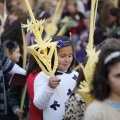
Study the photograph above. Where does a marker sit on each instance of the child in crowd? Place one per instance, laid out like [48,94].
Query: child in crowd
[6,66]
[105,88]
[75,105]
[33,70]
[12,50]
[51,92]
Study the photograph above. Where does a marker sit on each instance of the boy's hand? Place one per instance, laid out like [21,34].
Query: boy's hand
[54,82]
[19,113]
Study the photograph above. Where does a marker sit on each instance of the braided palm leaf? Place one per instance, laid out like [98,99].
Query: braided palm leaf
[92,55]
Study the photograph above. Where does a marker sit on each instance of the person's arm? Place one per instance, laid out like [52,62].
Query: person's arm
[42,91]
[14,97]
[17,69]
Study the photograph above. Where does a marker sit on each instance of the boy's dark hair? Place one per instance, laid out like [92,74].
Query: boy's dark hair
[16,10]
[64,38]
[116,12]
[100,87]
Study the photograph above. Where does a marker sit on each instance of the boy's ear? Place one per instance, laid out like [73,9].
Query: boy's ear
[8,54]
[14,14]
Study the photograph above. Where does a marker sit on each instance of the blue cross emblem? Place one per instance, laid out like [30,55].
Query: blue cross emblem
[69,91]
[54,105]
[74,77]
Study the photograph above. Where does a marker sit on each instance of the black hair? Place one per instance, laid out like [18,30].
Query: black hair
[10,45]
[100,87]
[68,43]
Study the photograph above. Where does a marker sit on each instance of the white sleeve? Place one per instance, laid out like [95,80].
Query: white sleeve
[42,92]
[17,69]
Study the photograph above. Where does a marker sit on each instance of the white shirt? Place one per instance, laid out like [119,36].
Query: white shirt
[52,101]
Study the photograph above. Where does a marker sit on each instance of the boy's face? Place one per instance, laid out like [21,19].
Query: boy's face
[12,17]
[65,58]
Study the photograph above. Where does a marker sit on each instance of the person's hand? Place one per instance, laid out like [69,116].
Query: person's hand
[53,82]
[19,113]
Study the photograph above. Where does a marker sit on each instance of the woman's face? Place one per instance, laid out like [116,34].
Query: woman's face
[15,56]
[114,80]
[72,8]
[12,17]
[65,58]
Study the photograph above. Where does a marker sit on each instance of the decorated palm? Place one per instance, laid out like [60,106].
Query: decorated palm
[92,55]
[51,29]
[44,50]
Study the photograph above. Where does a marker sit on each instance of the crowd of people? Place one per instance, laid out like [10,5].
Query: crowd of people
[57,97]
